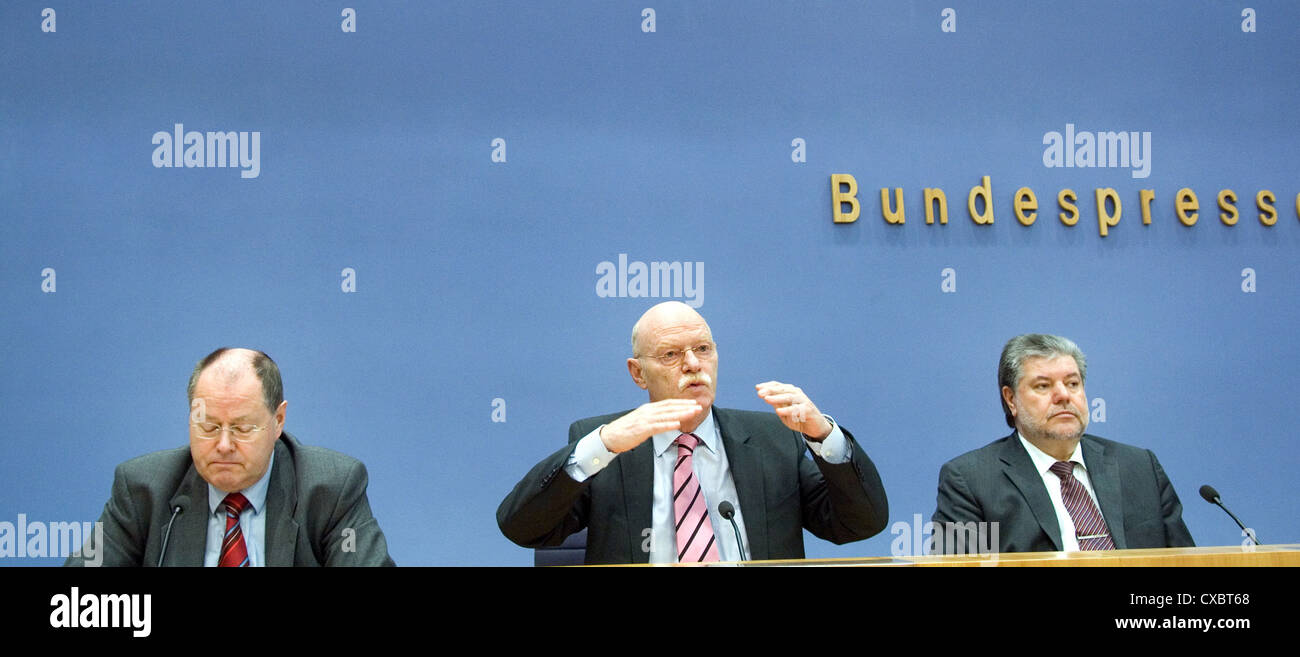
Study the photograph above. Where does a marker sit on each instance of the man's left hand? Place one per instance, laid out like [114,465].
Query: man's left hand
[795,409]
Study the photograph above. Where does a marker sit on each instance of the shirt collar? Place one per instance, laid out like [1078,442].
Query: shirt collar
[255,494]
[1043,461]
[707,432]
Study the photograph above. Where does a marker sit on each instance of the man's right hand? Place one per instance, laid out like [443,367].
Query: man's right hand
[647,420]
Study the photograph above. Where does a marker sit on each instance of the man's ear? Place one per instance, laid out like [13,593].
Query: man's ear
[279,417]
[1009,396]
[634,368]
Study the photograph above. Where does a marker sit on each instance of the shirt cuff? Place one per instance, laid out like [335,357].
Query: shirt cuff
[588,457]
[833,449]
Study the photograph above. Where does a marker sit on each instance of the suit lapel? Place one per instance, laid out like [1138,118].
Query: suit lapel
[189,537]
[747,474]
[637,471]
[1019,468]
[281,501]
[1104,475]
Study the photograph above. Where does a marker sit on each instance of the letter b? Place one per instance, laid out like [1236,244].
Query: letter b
[838,198]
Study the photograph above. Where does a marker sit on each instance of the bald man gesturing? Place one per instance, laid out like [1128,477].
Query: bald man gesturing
[648,483]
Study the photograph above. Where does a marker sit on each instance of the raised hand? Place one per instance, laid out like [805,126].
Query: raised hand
[647,420]
[795,409]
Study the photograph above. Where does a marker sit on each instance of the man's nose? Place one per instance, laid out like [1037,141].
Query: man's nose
[225,439]
[1060,393]
[690,362]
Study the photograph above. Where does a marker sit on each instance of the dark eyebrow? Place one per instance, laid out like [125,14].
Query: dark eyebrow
[1044,377]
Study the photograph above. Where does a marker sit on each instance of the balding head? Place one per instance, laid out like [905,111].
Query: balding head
[665,315]
[229,364]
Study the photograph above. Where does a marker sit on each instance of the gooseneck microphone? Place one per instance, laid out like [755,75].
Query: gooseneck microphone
[176,511]
[728,511]
[1212,496]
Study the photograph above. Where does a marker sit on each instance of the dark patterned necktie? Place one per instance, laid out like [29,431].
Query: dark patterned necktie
[234,554]
[1089,527]
[694,531]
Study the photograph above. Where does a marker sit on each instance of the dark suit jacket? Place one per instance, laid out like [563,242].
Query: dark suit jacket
[314,496]
[998,483]
[780,491]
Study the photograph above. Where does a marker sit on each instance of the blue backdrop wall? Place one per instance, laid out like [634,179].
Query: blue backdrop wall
[424,207]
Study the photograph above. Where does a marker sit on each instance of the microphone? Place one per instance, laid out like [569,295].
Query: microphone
[1212,496]
[176,511]
[728,511]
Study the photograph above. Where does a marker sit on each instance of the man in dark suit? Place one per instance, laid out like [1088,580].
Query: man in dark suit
[653,484]
[244,493]
[1049,486]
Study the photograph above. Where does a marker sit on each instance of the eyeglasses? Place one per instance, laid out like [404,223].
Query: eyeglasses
[244,433]
[703,351]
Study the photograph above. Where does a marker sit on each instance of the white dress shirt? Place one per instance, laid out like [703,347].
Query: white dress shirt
[711,468]
[1043,462]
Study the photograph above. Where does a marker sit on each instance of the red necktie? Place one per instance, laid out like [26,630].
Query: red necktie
[234,554]
[1089,527]
[694,531]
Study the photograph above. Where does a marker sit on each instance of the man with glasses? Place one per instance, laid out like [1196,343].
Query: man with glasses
[245,492]
[663,483]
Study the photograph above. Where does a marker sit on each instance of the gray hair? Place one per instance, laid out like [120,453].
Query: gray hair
[1030,345]
[266,370]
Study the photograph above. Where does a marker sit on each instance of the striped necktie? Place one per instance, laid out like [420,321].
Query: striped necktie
[233,551]
[1089,527]
[694,530]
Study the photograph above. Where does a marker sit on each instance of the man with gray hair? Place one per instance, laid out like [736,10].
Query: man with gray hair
[245,492]
[1049,486]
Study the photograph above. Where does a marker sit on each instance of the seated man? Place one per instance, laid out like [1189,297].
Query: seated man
[1049,486]
[649,483]
[245,492]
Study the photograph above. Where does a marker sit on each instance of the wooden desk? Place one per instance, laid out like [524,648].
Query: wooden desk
[1231,555]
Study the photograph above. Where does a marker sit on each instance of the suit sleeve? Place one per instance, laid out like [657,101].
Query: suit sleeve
[844,502]
[956,504]
[353,536]
[1171,509]
[547,505]
[123,535]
